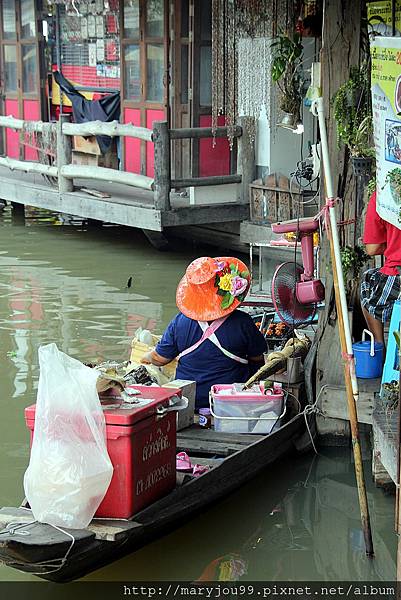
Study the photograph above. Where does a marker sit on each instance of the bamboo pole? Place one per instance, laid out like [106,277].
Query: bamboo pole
[28,166]
[112,129]
[104,174]
[351,383]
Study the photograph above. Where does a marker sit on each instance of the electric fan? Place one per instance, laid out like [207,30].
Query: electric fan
[296,293]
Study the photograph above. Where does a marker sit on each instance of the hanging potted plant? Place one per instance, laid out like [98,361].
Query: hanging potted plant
[353,115]
[287,58]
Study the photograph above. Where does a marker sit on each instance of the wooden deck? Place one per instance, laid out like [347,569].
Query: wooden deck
[132,207]
[334,400]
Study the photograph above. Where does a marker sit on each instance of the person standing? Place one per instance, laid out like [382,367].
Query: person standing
[380,288]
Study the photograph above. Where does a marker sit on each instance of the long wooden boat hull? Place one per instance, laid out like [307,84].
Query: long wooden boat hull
[43,549]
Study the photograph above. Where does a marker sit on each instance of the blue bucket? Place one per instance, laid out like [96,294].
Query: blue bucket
[368,357]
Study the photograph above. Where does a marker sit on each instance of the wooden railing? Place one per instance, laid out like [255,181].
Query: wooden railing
[161,136]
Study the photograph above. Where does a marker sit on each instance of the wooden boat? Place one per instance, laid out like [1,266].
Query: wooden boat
[234,459]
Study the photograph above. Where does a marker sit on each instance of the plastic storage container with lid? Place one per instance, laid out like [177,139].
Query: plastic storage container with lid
[249,411]
[141,442]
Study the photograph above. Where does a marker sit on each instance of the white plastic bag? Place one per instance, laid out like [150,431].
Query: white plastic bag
[69,470]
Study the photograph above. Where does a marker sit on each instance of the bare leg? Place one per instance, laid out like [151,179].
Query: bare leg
[375,326]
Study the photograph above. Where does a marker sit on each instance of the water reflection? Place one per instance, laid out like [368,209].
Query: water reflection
[67,284]
[299,521]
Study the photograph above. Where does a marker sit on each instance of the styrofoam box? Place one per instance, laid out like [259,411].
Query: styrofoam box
[185,418]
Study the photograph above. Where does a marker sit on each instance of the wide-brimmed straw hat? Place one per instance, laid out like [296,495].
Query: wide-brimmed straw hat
[212,287]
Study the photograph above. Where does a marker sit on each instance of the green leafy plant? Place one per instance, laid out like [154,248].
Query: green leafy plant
[286,73]
[352,260]
[371,187]
[353,113]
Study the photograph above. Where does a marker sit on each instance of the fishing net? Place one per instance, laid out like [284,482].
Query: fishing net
[43,142]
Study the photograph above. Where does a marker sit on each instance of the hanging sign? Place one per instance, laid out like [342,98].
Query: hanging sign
[386,104]
[380,17]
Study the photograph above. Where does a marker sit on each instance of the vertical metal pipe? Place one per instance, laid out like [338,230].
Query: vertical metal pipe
[58,51]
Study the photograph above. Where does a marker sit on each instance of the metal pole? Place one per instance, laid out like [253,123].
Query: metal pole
[351,382]
[58,52]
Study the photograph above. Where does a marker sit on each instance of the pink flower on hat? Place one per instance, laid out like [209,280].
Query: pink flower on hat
[239,285]
[220,265]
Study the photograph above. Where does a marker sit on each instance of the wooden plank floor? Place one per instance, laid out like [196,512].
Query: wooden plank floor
[197,441]
[128,206]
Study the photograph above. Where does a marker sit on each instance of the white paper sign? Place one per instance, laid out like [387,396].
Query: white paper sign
[386,104]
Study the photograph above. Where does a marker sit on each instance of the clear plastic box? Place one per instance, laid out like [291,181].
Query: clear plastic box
[250,411]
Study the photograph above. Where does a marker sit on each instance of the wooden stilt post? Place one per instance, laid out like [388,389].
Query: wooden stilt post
[162,185]
[246,158]
[351,383]
[64,155]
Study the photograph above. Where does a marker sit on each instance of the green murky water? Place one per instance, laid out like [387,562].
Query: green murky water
[62,282]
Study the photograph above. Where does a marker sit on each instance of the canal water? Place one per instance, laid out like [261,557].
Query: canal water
[63,282]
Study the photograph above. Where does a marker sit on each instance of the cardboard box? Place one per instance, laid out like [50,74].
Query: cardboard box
[185,418]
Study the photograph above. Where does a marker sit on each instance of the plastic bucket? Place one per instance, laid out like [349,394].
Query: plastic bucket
[368,357]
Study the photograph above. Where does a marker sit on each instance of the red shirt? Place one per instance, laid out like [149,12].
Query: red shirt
[379,231]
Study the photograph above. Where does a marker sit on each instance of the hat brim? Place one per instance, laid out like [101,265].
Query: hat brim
[202,303]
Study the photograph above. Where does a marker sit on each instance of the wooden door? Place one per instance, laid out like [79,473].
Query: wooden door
[180,85]
[145,76]
[207,159]
[191,90]
[21,68]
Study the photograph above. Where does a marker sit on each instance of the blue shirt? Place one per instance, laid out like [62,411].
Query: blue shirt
[207,365]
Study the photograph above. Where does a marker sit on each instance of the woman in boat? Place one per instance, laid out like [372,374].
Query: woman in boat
[214,342]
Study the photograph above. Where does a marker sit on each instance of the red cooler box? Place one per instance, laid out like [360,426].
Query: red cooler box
[142,447]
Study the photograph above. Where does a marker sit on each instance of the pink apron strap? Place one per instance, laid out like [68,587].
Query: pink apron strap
[209,334]
[210,330]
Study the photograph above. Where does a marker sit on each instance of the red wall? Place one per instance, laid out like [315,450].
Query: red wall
[213,160]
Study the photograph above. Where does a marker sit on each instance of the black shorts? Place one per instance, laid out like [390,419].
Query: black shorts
[378,293]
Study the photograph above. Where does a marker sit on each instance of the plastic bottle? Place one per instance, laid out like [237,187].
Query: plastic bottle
[205,418]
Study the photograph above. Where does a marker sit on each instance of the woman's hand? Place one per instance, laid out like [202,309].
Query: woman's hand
[147,359]
[153,358]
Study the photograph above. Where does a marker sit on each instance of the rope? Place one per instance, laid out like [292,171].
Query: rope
[311,409]
[53,565]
